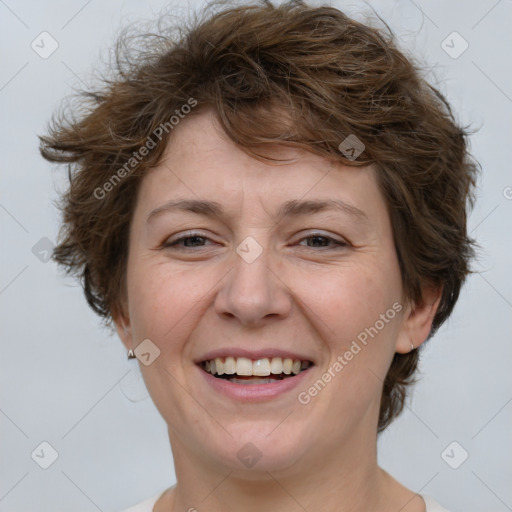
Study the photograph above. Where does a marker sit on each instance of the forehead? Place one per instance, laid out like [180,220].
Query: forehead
[202,163]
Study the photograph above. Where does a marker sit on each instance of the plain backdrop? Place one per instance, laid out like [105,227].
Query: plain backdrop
[66,382]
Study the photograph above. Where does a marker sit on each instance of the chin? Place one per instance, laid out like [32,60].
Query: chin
[252,452]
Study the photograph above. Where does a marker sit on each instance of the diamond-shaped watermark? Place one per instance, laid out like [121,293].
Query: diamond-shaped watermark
[351,147]
[42,250]
[44,45]
[147,352]
[44,455]
[249,455]
[454,455]
[454,45]
[249,250]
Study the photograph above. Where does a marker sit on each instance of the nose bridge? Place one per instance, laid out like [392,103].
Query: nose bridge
[251,291]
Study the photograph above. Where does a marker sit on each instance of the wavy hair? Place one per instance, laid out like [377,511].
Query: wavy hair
[293,74]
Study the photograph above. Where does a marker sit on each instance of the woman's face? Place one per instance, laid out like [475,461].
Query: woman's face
[315,284]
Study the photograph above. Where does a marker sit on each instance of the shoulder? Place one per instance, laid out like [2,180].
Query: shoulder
[432,505]
[147,505]
[144,506]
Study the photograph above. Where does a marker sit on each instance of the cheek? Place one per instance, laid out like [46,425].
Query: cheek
[361,312]
[164,307]
[161,302]
[355,298]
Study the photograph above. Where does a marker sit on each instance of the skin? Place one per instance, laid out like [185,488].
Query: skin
[302,294]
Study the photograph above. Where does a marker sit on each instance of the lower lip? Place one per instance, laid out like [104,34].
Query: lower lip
[254,392]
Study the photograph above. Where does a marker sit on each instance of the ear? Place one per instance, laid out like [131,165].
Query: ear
[417,320]
[123,327]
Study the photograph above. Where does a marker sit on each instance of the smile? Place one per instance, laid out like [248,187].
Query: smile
[242,370]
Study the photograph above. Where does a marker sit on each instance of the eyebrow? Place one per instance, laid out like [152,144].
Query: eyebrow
[292,208]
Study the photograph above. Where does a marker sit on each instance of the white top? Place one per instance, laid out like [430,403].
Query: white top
[147,505]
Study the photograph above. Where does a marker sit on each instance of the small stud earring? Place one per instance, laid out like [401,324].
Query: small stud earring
[412,346]
[131,354]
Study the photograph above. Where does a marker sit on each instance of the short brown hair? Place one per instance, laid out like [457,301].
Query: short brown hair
[331,77]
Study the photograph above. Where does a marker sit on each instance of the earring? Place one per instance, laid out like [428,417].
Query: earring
[412,346]
[131,354]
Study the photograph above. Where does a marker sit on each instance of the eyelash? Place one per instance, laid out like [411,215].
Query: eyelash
[174,244]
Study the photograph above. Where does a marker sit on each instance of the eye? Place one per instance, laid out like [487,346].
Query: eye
[195,238]
[324,240]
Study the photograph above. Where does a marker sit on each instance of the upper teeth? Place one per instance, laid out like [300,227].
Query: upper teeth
[259,367]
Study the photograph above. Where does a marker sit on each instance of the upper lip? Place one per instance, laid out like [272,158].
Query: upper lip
[252,354]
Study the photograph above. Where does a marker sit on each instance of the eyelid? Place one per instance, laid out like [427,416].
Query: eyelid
[315,232]
[185,234]
[303,236]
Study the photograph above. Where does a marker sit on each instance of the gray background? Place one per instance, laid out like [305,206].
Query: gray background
[65,381]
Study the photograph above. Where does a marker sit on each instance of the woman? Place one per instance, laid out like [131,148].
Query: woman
[270,209]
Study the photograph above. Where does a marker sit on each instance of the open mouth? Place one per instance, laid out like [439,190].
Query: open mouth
[241,370]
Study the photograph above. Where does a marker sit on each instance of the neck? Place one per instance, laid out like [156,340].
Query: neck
[343,480]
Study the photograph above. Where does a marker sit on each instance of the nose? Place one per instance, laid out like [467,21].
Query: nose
[252,291]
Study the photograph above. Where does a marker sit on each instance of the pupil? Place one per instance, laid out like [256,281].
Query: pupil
[192,238]
[320,238]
